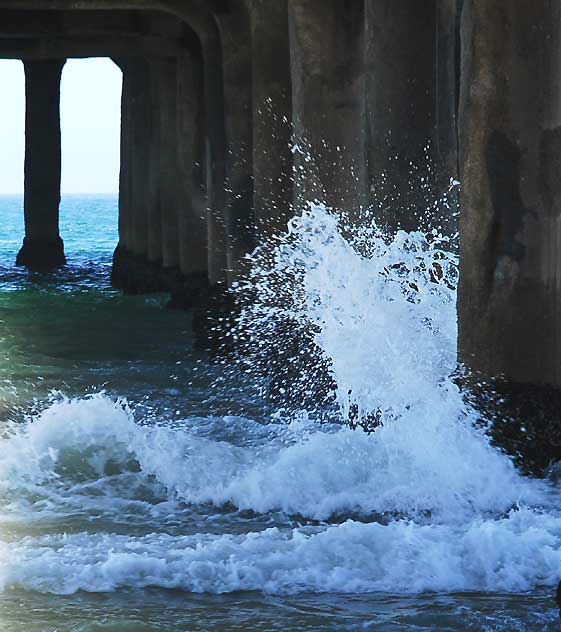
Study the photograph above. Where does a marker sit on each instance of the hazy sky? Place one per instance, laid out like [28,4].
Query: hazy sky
[90,112]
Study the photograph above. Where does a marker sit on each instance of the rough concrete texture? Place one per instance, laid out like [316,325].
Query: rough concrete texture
[510,133]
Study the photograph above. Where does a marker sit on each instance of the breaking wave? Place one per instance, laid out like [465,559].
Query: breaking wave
[424,503]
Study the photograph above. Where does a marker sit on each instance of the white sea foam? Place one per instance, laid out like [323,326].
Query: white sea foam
[515,553]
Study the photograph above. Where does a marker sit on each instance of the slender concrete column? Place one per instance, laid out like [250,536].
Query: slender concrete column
[411,100]
[236,46]
[155,167]
[328,101]
[125,172]
[272,112]
[198,16]
[140,121]
[169,187]
[193,255]
[509,299]
[42,247]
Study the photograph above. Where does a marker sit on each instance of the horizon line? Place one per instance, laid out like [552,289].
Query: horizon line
[66,193]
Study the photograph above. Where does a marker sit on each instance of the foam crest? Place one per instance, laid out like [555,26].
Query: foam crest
[516,553]
[78,439]
[79,446]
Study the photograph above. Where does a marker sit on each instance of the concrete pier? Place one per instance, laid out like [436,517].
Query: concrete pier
[235,113]
[193,252]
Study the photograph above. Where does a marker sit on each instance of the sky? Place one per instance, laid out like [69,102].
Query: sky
[90,120]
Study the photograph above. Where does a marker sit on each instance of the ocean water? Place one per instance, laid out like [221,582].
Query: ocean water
[144,486]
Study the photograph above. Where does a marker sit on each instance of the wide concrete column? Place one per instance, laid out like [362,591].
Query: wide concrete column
[509,299]
[328,101]
[272,112]
[42,246]
[411,100]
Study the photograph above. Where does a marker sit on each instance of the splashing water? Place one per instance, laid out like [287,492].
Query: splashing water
[220,504]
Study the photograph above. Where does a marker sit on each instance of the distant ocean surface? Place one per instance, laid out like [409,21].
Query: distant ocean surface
[88,227]
[145,487]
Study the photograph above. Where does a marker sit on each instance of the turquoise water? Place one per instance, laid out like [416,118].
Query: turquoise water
[145,487]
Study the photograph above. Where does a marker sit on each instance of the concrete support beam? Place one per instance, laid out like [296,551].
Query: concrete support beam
[88,46]
[169,174]
[411,101]
[139,112]
[509,299]
[199,18]
[272,112]
[155,166]
[328,101]
[42,247]
[237,65]
[62,23]
[193,254]
[126,157]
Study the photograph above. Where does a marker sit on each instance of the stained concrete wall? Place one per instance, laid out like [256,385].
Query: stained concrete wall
[235,37]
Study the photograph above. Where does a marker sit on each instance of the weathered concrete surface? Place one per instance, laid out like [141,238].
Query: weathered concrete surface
[411,103]
[42,247]
[509,297]
[199,16]
[510,132]
[60,34]
[328,102]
